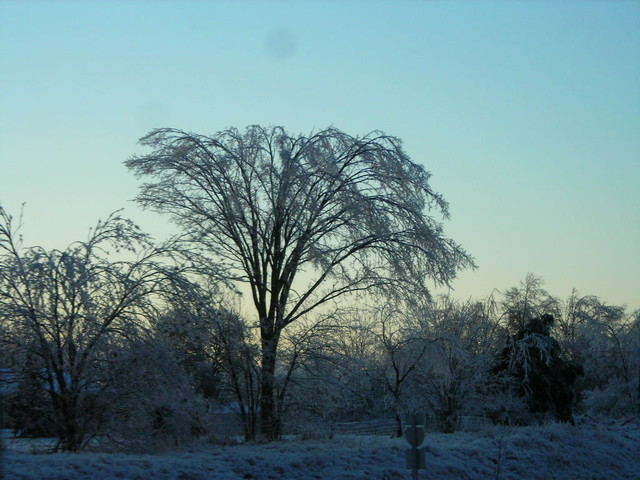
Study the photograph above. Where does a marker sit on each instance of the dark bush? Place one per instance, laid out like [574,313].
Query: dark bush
[532,362]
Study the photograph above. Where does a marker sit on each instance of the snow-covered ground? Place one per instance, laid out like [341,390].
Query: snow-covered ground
[548,452]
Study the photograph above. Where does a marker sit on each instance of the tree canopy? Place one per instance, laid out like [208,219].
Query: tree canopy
[350,212]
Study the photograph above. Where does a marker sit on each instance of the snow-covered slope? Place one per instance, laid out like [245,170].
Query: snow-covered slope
[548,452]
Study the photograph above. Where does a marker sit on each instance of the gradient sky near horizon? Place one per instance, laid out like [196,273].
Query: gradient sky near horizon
[527,114]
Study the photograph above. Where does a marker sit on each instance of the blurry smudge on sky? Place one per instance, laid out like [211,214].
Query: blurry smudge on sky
[280,44]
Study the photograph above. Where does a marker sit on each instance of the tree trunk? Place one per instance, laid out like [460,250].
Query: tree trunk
[70,434]
[399,429]
[70,437]
[269,421]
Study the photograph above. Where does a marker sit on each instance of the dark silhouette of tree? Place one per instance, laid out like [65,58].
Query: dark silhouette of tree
[351,213]
[533,362]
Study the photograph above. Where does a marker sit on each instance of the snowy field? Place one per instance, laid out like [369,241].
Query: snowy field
[548,452]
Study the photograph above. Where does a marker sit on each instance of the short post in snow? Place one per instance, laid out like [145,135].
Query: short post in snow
[414,433]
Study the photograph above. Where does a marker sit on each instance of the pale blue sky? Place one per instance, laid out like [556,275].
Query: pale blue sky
[526,113]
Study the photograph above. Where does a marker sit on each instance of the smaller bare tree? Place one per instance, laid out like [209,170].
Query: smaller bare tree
[452,376]
[63,307]
[217,347]
[403,347]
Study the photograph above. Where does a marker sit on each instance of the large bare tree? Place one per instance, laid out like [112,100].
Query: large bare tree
[302,220]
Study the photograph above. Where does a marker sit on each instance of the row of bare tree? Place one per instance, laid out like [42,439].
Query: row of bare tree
[134,350]
[333,241]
